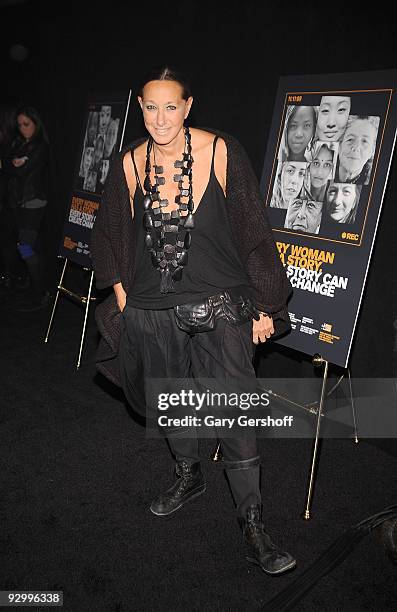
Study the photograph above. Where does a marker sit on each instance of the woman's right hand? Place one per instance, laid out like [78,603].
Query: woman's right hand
[121,296]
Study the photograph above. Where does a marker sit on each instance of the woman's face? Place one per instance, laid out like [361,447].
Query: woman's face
[26,126]
[333,114]
[88,159]
[104,118]
[357,146]
[292,176]
[111,136]
[321,167]
[300,129]
[164,110]
[92,127]
[341,198]
[98,151]
[104,170]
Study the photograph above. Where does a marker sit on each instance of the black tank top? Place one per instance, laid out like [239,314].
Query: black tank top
[213,263]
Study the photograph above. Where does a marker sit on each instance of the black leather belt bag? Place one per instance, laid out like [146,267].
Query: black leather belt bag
[202,316]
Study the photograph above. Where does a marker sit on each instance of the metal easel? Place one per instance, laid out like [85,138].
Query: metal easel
[317,409]
[82,299]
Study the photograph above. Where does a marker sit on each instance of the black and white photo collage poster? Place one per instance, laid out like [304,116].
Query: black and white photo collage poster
[324,160]
[99,146]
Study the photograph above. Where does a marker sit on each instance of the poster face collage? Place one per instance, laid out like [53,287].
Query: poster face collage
[100,140]
[324,160]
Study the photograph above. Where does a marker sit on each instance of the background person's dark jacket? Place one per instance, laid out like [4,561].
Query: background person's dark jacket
[29,181]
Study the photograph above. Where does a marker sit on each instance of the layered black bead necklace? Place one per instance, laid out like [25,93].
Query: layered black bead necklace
[169,257]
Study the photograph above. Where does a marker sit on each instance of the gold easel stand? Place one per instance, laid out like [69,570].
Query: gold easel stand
[82,299]
[318,362]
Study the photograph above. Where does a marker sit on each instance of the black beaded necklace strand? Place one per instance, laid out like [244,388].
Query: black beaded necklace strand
[169,259]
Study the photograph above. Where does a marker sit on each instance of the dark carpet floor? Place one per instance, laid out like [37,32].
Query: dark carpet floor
[78,476]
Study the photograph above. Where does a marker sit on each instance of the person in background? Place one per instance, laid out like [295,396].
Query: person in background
[26,167]
[7,135]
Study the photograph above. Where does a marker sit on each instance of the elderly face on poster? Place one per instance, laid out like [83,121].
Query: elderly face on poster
[357,149]
[304,215]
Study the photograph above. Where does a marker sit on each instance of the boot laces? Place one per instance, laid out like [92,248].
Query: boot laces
[183,470]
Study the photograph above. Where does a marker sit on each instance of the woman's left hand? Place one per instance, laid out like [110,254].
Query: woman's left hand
[262,329]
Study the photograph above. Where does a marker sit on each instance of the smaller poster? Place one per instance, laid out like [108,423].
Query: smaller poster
[102,137]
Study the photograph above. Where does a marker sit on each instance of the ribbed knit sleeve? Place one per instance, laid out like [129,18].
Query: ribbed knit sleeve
[254,236]
[106,227]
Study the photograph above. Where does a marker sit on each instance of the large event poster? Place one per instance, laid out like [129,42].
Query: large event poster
[324,178]
[102,137]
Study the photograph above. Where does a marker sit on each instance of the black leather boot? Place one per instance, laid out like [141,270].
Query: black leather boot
[263,551]
[189,484]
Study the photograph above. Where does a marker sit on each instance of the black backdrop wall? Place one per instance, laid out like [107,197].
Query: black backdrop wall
[234,53]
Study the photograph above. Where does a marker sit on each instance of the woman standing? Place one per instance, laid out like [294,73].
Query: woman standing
[182,237]
[27,168]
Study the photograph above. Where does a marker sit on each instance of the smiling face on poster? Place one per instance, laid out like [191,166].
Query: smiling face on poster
[342,201]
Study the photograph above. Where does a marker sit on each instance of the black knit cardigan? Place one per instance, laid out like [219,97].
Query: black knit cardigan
[113,246]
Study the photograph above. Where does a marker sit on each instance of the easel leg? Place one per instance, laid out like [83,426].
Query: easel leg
[315,448]
[353,407]
[87,306]
[56,301]
[217,454]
